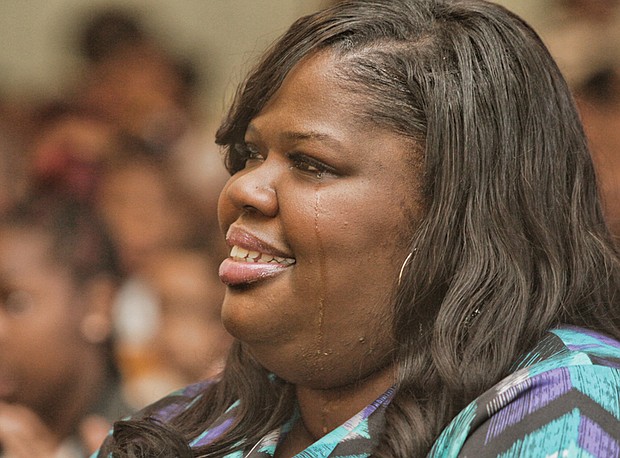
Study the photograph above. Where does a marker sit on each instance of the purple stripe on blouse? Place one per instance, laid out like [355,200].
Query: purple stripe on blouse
[544,388]
[594,440]
[212,434]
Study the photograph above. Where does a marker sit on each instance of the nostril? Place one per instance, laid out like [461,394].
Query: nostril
[249,209]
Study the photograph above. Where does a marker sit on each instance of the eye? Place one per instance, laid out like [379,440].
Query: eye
[248,154]
[310,165]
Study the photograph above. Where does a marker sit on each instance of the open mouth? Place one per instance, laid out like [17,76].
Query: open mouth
[253,258]
[245,267]
[240,254]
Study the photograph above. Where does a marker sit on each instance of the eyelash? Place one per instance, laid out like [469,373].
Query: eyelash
[310,165]
[244,152]
[299,161]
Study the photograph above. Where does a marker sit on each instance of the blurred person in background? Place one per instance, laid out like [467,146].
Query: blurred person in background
[145,211]
[148,93]
[59,387]
[13,176]
[584,37]
[599,105]
[134,81]
[66,152]
[15,126]
[143,206]
[188,342]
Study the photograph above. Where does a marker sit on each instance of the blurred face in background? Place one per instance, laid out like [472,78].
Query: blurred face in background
[40,341]
[138,207]
[190,340]
[139,88]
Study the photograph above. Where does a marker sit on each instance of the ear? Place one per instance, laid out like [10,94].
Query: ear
[98,296]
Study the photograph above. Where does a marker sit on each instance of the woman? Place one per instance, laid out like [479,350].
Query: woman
[412,210]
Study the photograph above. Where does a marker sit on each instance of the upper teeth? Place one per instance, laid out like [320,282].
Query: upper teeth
[241,254]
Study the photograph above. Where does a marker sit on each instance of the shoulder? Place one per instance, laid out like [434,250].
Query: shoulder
[165,409]
[561,400]
[175,403]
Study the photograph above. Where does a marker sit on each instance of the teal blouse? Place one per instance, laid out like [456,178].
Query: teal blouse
[562,400]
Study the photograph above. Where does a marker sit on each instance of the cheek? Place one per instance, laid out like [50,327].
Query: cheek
[335,304]
[359,238]
[350,256]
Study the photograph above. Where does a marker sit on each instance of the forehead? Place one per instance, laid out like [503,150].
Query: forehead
[317,101]
[315,87]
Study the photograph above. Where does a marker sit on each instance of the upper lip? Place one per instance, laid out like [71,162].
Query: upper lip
[245,239]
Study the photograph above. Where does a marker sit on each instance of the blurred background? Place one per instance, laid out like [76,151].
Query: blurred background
[108,110]
[41,56]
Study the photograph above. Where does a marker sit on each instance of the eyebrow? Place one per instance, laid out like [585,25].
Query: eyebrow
[311,135]
[304,135]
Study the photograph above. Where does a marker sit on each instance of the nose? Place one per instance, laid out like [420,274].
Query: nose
[253,190]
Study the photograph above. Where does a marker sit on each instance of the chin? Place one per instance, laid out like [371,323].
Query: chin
[237,319]
[251,328]
[254,323]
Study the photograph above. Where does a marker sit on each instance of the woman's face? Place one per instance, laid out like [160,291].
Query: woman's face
[332,194]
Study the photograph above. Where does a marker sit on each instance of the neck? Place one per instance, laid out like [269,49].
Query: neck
[324,410]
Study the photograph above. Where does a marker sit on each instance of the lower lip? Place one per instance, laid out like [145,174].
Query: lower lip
[234,273]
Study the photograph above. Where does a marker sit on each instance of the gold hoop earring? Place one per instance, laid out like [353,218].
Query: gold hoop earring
[402,268]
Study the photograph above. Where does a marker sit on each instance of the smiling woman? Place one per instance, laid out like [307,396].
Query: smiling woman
[418,260]
[314,189]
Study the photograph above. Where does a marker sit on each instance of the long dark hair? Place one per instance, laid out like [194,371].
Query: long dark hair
[513,242]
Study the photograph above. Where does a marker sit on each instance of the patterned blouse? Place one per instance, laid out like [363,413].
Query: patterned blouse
[562,400]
